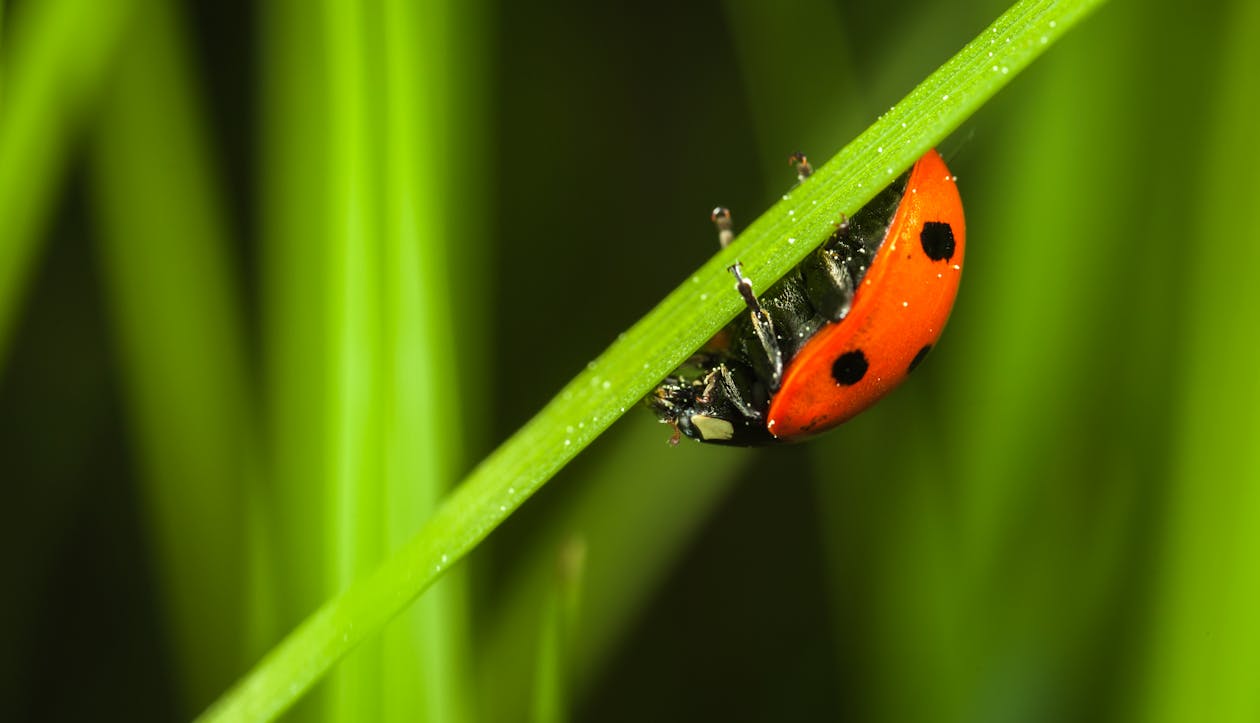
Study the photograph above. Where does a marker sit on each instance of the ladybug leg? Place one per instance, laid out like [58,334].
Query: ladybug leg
[677,435]
[829,285]
[768,363]
[803,169]
[721,217]
[720,385]
[841,236]
[830,282]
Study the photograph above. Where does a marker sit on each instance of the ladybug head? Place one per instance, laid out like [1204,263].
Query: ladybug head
[706,409]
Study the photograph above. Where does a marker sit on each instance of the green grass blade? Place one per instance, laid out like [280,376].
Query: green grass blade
[553,663]
[3,47]
[425,667]
[58,53]
[634,363]
[354,499]
[1205,641]
[316,111]
[181,338]
[643,484]
[294,126]
[294,248]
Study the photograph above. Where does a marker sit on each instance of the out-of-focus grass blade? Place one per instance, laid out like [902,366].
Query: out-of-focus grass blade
[3,47]
[294,258]
[648,502]
[362,354]
[560,610]
[56,57]
[1206,634]
[295,169]
[426,134]
[174,307]
[354,500]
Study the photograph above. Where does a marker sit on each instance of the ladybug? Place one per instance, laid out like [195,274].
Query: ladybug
[835,334]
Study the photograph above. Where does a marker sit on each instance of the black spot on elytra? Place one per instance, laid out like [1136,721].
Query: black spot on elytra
[849,368]
[937,238]
[918,358]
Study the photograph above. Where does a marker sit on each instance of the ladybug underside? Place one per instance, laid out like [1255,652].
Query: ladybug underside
[721,395]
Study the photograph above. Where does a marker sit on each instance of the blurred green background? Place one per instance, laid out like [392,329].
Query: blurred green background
[274,276]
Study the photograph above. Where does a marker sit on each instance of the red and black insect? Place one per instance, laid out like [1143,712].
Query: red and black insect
[839,331]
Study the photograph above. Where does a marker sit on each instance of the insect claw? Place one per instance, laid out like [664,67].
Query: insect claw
[803,168]
[721,217]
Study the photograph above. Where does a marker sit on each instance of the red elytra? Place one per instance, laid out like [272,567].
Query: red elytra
[899,311]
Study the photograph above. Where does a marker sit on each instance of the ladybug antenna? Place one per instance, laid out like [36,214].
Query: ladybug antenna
[803,169]
[721,217]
